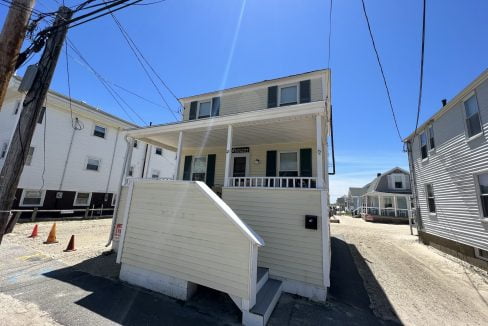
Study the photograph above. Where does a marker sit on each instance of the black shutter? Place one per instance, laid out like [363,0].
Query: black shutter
[305,162]
[215,106]
[209,180]
[305,91]
[271,163]
[193,110]
[187,168]
[272,96]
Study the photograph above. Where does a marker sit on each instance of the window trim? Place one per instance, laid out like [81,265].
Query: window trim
[278,162]
[198,110]
[465,99]
[193,163]
[82,205]
[93,158]
[297,85]
[404,181]
[427,198]
[101,126]
[22,197]
[156,151]
[3,150]
[152,174]
[478,194]
[431,136]
[478,255]
[426,145]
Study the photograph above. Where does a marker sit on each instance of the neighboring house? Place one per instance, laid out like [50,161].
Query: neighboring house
[248,212]
[341,203]
[76,157]
[354,198]
[388,197]
[449,161]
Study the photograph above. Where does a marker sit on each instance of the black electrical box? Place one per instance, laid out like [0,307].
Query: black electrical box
[311,222]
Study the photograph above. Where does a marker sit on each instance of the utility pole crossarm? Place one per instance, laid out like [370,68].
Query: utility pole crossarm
[34,100]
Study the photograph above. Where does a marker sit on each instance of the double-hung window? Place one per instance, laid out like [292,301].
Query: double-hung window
[472,116]
[288,164]
[199,168]
[82,199]
[92,164]
[429,194]
[483,192]
[431,138]
[288,95]
[423,145]
[159,151]
[205,109]
[32,198]
[398,181]
[99,131]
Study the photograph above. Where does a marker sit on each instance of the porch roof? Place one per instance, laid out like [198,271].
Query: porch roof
[277,125]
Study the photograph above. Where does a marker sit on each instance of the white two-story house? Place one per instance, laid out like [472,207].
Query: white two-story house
[449,163]
[76,156]
[247,213]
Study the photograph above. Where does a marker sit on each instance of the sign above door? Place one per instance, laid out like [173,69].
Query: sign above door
[236,150]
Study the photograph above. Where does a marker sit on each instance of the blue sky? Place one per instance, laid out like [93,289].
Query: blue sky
[204,45]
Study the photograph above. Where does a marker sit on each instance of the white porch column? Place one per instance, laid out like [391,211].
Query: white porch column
[228,152]
[320,147]
[178,156]
[395,205]
[379,205]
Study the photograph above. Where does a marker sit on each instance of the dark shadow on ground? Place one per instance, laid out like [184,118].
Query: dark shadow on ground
[131,305]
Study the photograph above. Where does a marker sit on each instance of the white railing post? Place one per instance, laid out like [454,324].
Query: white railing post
[228,152]
[178,156]
[320,168]
[395,205]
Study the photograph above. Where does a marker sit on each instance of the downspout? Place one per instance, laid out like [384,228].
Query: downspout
[123,174]
[144,161]
[332,143]
[413,185]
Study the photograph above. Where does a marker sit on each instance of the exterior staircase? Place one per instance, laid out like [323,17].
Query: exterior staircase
[268,294]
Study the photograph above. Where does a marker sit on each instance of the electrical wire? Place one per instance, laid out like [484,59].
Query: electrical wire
[382,72]
[422,51]
[330,33]
[75,124]
[137,53]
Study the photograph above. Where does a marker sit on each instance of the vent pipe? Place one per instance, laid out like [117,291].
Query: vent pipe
[444,102]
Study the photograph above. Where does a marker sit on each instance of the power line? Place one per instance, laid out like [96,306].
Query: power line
[382,72]
[330,33]
[419,104]
[135,50]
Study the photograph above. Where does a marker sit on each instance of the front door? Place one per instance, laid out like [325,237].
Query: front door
[239,165]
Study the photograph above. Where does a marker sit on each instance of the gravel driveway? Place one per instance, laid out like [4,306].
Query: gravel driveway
[413,282]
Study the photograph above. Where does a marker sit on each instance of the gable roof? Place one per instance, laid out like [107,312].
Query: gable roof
[373,185]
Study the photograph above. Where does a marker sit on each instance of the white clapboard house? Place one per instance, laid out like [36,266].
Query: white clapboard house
[247,212]
[449,162]
[76,156]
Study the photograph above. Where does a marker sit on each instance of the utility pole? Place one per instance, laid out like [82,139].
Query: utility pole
[34,100]
[11,38]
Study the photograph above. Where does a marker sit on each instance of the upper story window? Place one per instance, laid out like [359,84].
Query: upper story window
[3,151]
[472,116]
[423,145]
[30,155]
[92,164]
[135,144]
[429,194]
[288,95]
[100,131]
[431,137]
[204,109]
[41,115]
[159,151]
[483,191]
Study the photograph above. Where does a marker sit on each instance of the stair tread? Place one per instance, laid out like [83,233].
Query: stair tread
[265,296]
[261,272]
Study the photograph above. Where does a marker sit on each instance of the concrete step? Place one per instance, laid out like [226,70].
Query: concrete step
[266,300]
[262,277]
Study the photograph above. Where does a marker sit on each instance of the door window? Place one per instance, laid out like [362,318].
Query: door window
[239,166]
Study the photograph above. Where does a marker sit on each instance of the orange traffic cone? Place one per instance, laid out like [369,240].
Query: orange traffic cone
[71,244]
[34,232]
[51,238]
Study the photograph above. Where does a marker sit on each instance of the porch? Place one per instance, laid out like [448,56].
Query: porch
[386,206]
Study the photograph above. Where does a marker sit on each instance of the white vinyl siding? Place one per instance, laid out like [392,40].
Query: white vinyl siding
[278,216]
[452,172]
[255,98]
[195,242]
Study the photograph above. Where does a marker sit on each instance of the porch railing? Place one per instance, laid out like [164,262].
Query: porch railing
[273,182]
[386,211]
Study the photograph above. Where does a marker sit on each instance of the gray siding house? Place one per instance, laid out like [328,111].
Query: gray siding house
[448,156]
[387,197]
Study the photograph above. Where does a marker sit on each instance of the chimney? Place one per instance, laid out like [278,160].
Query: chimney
[444,102]
[378,174]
